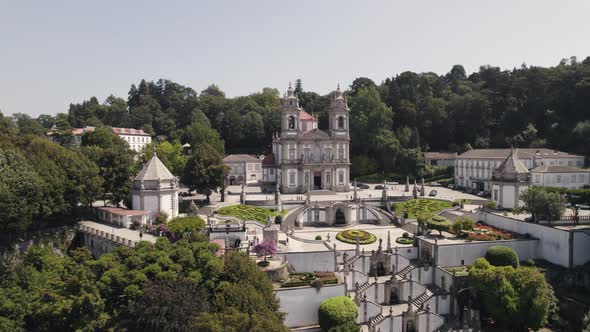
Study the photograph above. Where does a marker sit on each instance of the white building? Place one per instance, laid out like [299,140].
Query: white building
[155,189]
[509,180]
[474,168]
[560,176]
[440,159]
[243,168]
[137,139]
[306,157]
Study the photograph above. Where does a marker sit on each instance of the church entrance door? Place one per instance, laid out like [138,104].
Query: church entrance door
[317,180]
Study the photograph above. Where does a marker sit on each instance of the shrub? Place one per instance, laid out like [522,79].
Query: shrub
[318,237]
[528,262]
[161,218]
[404,240]
[336,312]
[406,235]
[278,219]
[463,223]
[501,256]
[438,223]
[317,283]
[184,225]
[248,212]
[490,205]
[349,236]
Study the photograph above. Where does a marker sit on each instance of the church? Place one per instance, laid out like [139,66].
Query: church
[305,157]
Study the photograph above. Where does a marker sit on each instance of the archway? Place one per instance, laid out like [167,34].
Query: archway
[393,296]
[410,326]
[380,269]
[339,217]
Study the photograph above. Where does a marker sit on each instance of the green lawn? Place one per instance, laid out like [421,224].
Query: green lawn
[249,212]
[415,207]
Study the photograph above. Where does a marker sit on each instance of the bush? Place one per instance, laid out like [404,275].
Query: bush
[248,212]
[490,205]
[404,240]
[278,219]
[528,262]
[317,283]
[406,235]
[438,223]
[184,225]
[463,223]
[336,312]
[349,236]
[318,237]
[502,256]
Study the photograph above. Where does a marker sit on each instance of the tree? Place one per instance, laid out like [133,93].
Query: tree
[543,205]
[199,133]
[462,223]
[167,305]
[516,299]
[337,313]
[186,225]
[204,170]
[21,191]
[438,223]
[265,248]
[502,256]
[171,154]
[27,125]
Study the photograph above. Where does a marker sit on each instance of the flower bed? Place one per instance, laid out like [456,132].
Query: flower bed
[248,212]
[305,279]
[350,236]
[404,240]
[483,232]
[414,207]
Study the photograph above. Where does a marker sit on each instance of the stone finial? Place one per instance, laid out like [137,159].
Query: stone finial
[375,279]
[356,285]
[410,309]
[443,282]
[411,276]
[328,237]
[428,307]
[364,297]
[390,311]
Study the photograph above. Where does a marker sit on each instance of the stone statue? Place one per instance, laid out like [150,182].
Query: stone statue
[407,189]
[443,282]
[410,309]
[268,221]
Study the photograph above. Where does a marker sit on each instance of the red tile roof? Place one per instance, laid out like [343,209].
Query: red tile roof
[269,160]
[129,131]
[303,115]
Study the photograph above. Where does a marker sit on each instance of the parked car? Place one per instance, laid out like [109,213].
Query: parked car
[481,193]
[432,193]
[379,186]
[364,186]
[451,186]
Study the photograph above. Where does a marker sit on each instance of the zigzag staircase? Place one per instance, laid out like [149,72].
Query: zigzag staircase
[421,298]
[374,321]
[405,271]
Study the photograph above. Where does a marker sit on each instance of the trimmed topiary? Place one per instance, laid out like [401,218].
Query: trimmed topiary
[318,237]
[502,256]
[349,236]
[404,240]
[336,312]
[438,223]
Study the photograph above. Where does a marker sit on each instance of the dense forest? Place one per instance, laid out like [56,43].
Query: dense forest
[392,122]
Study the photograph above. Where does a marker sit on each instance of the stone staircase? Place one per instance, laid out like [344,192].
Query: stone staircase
[290,268]
[444,328]
[405,271]
[421,298]
[351,260]
[364,287]
[374,321]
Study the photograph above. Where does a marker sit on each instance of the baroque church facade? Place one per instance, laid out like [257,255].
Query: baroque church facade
[305,157]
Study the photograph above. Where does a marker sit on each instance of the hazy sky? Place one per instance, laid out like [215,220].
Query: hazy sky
[56,52]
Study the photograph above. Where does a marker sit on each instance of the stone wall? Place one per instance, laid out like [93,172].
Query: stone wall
[301,304]
[466,253]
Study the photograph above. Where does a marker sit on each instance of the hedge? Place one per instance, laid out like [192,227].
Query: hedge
[404,240]
[414,207]
[438,223]
[182,225]
[349,236]
[337,312]
[502,256]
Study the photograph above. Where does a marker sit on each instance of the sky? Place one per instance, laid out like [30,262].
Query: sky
[53,53]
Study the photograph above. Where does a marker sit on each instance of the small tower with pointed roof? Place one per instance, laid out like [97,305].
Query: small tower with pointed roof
[338,113]
[155,189]
[509,180]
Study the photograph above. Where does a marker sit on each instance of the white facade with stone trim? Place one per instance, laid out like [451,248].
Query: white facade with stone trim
[155,189]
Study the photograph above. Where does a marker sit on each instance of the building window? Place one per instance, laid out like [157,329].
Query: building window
[495,194]
[558,179]
[250,167]
[570,163]
[306,154]
[328,154]
[341,177]
[291,122]
[340,122]
[581,178]
[328,178]
[292,178]
[573,178]
[537,178]
[291,153]
[272,171]
[341,152]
